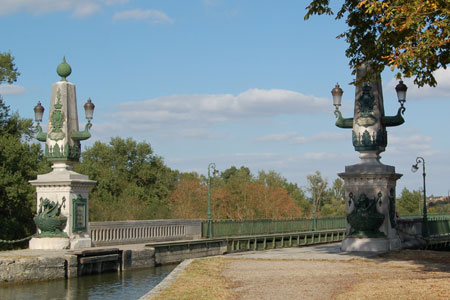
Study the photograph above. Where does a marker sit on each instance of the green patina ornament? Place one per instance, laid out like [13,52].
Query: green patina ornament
[366,101]
[49,219]
[79,214]
[64,69]
[365,220]
[392,216]
[365,142]
[57,120]
[64,152]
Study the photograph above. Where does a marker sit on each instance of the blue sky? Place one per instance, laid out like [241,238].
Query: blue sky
[231,82]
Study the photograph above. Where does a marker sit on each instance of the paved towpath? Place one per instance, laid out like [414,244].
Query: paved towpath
[292,273]
[323,272]
[322,252]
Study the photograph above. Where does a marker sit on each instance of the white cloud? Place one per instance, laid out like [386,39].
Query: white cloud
[208,109]
[442,90]
[79,8]
[12,90]
[413,144]
[296,138]
[279,137]
[198,133]
[211,2]
[87,9]
[320,156]
[410,140]
[154,16]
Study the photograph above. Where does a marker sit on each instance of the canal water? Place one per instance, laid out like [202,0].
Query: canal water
[127,285]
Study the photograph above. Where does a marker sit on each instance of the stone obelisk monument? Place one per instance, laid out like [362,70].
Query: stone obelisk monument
[62,195]
[369,184]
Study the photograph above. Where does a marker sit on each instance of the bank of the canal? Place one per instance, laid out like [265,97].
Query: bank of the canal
[30,265]
[111,285]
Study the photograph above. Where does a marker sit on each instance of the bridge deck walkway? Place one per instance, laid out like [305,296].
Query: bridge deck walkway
[320,272]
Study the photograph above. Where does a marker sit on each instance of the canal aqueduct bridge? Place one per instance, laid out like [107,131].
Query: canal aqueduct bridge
[125,245]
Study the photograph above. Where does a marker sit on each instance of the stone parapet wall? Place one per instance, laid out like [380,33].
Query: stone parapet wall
[410,232]
[174,253]
[135,232]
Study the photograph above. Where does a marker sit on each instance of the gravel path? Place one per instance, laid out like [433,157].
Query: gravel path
[323,272]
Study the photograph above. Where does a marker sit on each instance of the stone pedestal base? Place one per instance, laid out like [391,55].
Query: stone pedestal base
[50,243]
[370,244]
[80,243]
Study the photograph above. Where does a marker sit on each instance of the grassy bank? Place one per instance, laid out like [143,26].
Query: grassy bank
[202,279]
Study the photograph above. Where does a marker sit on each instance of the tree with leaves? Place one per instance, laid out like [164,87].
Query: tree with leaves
[409,202]
[317,188]
[132,182]
[188,200]
[235,194]
[272,178]
[334,203]
[411,36]
[8,69]
[20,161]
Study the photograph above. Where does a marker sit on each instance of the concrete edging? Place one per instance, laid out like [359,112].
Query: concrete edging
[168,280]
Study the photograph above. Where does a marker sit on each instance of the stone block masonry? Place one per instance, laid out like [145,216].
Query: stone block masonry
[14,269]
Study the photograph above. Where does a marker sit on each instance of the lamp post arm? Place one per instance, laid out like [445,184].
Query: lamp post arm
[82,135]
[391,121]
[343,122]
[41,136]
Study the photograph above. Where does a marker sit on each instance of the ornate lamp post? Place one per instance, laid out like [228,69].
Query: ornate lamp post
[62,195]
[414,169]
[211,166]
[370,185]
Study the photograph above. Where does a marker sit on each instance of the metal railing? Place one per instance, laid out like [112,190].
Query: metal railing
[282,240]
[225,228]
[430,216]
[439,225]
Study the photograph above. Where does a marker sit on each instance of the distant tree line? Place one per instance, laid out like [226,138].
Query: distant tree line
[411,203]
[133,183]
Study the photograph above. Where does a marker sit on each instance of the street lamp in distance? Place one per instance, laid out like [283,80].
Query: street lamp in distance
[414,169]
[211,167]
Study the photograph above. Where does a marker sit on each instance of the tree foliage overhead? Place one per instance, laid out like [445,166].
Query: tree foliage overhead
[412,36]
[8,70]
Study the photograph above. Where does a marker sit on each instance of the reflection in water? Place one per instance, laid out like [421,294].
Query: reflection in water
[126,285]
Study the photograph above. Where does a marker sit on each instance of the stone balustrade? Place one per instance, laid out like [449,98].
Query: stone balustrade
[134,232]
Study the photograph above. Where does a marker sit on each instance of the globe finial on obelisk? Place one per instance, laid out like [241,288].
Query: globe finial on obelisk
[64,69]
